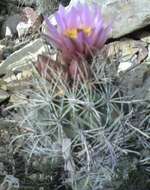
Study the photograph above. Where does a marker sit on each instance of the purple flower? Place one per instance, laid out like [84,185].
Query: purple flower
[80,31]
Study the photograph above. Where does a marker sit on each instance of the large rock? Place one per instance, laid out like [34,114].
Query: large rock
[9,26]
[133,58]
[23,57]
[128,53]
[126,16]
[128,49]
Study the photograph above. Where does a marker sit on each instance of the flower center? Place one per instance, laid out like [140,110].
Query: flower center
[87,30]
[73,33]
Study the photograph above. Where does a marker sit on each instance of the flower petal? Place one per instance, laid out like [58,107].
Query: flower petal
[80,30]
[52,29]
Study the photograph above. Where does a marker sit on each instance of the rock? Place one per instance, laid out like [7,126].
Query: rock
[128,53]
[126,15]
[46,7]
[31,22]
[3,95]
[8,32]
[148,58]
[9,26]
[19,23]
[7,52]
[1,55]
[28,2]
[2,18]
[2,47]
[23,57]
[123,66]
[22,28]
[8,6]
[145,37]
[128,50]
[136,82]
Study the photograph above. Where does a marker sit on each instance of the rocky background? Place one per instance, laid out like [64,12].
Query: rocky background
[21,24]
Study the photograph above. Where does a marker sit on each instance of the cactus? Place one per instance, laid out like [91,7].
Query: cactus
[86,127]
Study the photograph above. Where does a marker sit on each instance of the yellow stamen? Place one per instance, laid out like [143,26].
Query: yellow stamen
[87,31]
[73,33]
